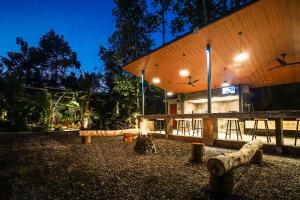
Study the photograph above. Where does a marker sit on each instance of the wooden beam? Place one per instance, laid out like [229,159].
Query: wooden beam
[257,114]
[112,133]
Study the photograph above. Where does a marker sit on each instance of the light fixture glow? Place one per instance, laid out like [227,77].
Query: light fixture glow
[184,72]
[241,57]
[169,93]
[225,84]
[156,80]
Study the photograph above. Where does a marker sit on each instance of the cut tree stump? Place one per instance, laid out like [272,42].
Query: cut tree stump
[144,144]
[86,139]
[221,187]
[198,153]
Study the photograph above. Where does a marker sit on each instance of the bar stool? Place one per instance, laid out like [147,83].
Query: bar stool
[237,128]
[197,126]
[183,126]
[297,131]
[255,128]
[159,124]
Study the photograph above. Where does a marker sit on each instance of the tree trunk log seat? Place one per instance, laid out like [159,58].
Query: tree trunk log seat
[87,135]
[198,153]
[221,168]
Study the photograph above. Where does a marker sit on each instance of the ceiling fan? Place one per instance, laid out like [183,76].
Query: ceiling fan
[190,82]
[282,62]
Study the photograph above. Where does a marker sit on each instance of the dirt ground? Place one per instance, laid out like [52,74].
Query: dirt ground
[58,166]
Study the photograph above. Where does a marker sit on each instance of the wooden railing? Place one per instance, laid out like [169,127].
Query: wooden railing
[210,122]
[242,115]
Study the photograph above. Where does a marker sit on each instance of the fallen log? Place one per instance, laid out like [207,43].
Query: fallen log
[108,133]
[221,164]
[221,167]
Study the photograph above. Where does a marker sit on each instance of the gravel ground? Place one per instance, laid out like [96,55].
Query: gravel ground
[53,166]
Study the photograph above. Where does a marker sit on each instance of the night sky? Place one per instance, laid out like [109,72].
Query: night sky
[85,24]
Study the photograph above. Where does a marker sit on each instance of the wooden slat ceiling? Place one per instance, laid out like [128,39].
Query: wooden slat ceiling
[269,28]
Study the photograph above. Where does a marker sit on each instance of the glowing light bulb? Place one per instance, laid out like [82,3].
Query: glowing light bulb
[155,80]
[184,72]
[169,93]
[241,57]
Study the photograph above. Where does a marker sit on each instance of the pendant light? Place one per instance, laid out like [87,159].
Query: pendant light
[184,72]
[156,79]
[242,56]
[225,83]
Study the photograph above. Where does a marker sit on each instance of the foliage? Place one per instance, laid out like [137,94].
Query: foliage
[33,78]
[134,25]
[194,13]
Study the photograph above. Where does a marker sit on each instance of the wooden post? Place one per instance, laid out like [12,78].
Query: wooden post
[143,124]
[168,127]
[257,158]
[221,187]
[128,138]
[279,135]
[210,130]
[198,152]
[86,139]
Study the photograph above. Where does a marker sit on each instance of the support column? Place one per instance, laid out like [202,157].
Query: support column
[169,127]
[210,130]
[208,63]
[279,135]
[143,93]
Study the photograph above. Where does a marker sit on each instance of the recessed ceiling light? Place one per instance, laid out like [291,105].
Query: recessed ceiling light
[156,80]
[169,93]
[184,72]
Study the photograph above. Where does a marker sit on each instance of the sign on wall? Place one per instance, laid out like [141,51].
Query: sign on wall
[229,90]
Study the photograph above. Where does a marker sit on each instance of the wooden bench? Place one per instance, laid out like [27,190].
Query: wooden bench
[87,135]
[221,168]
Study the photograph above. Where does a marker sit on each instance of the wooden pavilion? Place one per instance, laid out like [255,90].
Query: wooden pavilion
[269,28]
[270,38]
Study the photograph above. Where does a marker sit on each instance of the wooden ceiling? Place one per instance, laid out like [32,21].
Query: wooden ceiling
[269,28]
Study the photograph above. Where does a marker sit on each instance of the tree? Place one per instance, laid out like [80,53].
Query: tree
[58,57]
[132,38]
[191,14]
[163,7]
[195,13]
[89,82]
[40,66]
